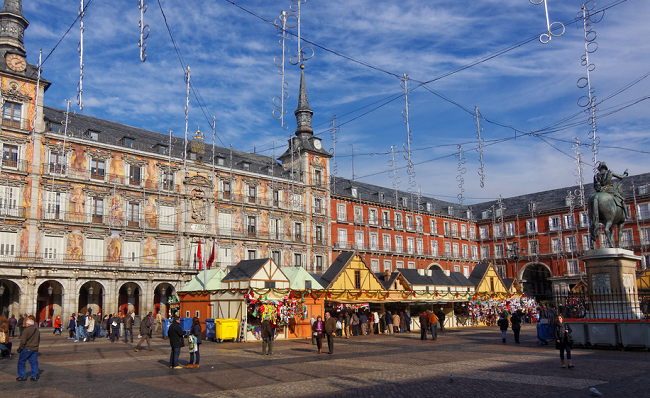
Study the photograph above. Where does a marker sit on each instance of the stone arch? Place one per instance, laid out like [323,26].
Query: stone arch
[162,292]
[10,298]
[435,266]
[129,297]
[92,296]
[535,280]
[49,300]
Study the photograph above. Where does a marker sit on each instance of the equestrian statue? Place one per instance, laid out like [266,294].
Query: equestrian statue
[607,206]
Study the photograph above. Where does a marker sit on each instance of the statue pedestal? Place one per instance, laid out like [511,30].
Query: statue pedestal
[611,276]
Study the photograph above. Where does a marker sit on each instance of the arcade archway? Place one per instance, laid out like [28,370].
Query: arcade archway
[535,281]
[162,293]
[49,301]
[9,298]
[91,297]
[129,298]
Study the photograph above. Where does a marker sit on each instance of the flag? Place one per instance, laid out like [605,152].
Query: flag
[198,255]
[211,258]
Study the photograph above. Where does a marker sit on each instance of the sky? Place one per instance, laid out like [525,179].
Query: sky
[525,90]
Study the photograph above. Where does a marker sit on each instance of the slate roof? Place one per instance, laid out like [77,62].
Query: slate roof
[387,284]
[508,282]
[333,270]
[477,273]
[437,278]
[551,200]
[245,269]
[370,193]
[145,140]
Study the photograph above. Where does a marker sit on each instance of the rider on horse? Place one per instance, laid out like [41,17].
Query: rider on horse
[603,183]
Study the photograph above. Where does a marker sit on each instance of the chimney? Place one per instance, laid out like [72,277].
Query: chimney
[386,275]
[447,272]
[421,272]
[428,272]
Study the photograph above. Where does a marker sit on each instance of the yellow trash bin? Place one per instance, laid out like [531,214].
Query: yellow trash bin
[226,329]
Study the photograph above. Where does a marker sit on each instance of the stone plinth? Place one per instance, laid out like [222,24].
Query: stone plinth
[611,276]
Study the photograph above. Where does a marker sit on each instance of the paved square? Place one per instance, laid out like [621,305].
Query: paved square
[372,366]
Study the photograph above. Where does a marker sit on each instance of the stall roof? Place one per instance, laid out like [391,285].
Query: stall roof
[335,269]
[437,278]
[214,277]
[245,270]
[297,277]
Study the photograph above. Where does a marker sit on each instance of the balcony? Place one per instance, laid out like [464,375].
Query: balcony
[16,122]
[134,181]
[97,219]
[251,232]
[251,199]
[133,224]
[14,165]
[12,211]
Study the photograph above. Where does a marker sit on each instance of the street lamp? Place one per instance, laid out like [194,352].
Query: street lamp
[128,291]
[514,250]
[91,290]
[50,290]
[2,289]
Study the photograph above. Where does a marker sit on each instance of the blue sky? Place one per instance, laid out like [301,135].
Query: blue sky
[231,56]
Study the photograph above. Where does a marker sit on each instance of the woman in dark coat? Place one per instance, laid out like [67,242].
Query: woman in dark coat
[503,325]
[195,331]
[516,324]
[563,340]
[317,328]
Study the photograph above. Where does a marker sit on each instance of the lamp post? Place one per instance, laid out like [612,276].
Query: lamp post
[2,288]
[514,251]
[50,290]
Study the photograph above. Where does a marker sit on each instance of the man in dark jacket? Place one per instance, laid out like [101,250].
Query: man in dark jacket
[441,318]
[330,329]
[115,327]
[144,334]
[12,326]
[21,321]
[407,317]
[81,327]
[267,337]
[128,327]
[28,350]
[176,341]
[424,325]
[389,322]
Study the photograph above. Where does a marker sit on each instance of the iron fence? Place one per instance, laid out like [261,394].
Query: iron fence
[623,305]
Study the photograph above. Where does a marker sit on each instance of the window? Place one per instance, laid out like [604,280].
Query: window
[358,239]
[374,265]
[497,230]
[57,163]
[510,229]
[570,244]
[9,201]
[454,230]
[554,223]
[385,219]
[455,253]
[484,231]
[466,271]
[433,227]
[387,242]
[556,245]
[54,205]
[133,214]
[485,252]
[472,232]
[297,260]
[9,155]
[343,238]
[381,197]
[340,212]
[429,207]
[399,264]
[643,211]
[411,265]
[572,267]
[474,253]
[246,166]
[307,284]
[94,250]
[128,142]
[584,219]
[97,169]
[354,192]
[499,212]
[398,220]
[269,285]
[134,175]
[533,247]
[221,161]
[568,221]
[277,257]
[318,206]
[465,251]
[319,263]
[447,249]
[399,244]
[276,197]
[319,235]
[7,244]
[485,215]
[410,245]
[52,247]
[11,114]
[456,269]
[409,222]
[374,241]
[297,230]
[357,279]
[226,190]
[492,284]
[434,248]
[252,193]
[404,202]
[531,226]
[626,238]
[388,265]
[450,211]
[318,178]
[252,254]
[97,210]
[463,231]
[418,224]
[586,242]
[192,156]
[372,216]
[162,149]
[419,246]
[358,214]
[251,226]
[446,228]
[167,180]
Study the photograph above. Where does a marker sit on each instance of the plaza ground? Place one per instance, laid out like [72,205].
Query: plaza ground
[372,366]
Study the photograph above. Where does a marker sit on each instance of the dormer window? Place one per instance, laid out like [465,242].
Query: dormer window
[468,214]
[429,207]
[127,142]
[269,170]
[354,192]
[246,166]
[381,197]
[499,212]
[93,135]
[162,149]
[221,161]
[450,211]
[643,189]
[55,127]
[404,202]
[192,156]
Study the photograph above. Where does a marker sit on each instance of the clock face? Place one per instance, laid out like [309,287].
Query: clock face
[317,144]
[16,63]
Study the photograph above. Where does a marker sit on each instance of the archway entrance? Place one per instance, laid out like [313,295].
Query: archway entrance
[91,297]
[49,301]
[535,281]
[9,298]
[129,298]
[161,296]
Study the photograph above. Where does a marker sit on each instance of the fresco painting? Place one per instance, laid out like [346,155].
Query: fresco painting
[75,246]
[238,222]
[151,175]
[150,250]
[114,249]
[151,213]
[77,204]
[116,211]
[24,242]
[78,159]
[116,170]
[27,197]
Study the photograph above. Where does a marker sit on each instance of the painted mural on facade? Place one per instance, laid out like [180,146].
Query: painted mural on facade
[75,246]
[151,175]
[116,170]
[114,248]
[150,250]
[76,211]
[151,213]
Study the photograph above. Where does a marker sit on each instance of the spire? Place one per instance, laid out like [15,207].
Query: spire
[303,113]
[13,25]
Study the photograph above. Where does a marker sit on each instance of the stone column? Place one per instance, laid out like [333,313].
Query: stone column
[611,276]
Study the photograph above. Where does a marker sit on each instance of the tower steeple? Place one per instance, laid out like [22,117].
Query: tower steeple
[303,112]
[12,27]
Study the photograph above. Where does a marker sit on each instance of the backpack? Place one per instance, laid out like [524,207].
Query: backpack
[3,337]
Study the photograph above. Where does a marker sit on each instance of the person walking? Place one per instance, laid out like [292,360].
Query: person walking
[5,344]
[441,318]
[21,324]
[318,328]
[128,327]
[71,327]
[363,321]
[355,324]
[563,340]
[151,323]
[330,328]
[28,351]
[503,325]
[424,325]
[195,335]
[12,326]
[348,325]
[158,321]
[144,335]
[81,324]
[176,342]
[115,328]
[375,320]
[433,325]
[105,326]
[516,324]
[388,318]
[57,325]
[90,327]
[267,336]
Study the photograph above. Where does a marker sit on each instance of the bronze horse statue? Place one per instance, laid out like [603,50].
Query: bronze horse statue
[603,208]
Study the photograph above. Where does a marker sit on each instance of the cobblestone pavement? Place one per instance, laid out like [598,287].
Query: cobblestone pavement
[372,366]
